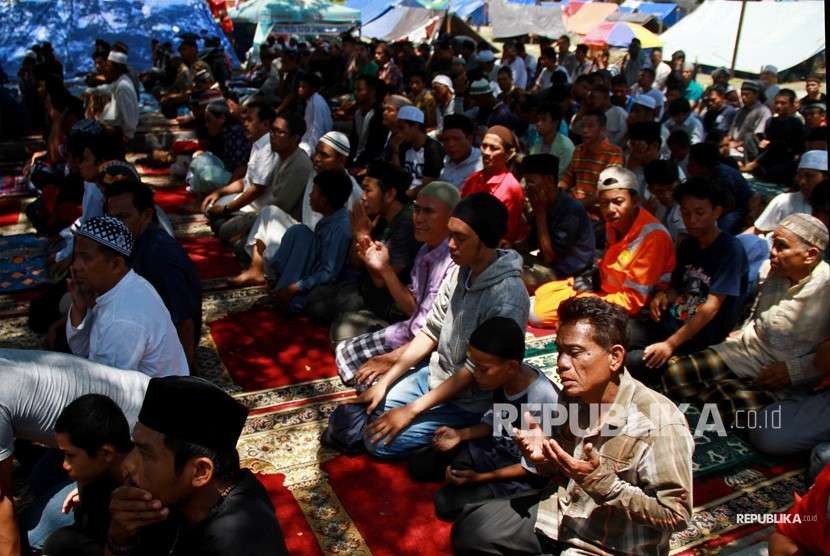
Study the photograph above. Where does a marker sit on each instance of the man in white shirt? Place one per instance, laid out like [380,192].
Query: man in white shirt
[116,317]
[662,70]
[122,109]
[645,86]
[317,112]
[682,117]
[462,158]
[444,94]
[812,170]
[616,116]
[246,196]
[516,65]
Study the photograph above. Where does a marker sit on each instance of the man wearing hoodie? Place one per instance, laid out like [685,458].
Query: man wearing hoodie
[486,284]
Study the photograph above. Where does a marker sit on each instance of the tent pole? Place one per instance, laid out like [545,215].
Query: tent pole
[738,38]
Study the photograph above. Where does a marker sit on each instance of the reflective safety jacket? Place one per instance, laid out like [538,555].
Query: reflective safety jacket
[636,263]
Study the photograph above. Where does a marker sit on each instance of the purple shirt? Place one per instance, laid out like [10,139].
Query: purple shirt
[428,271]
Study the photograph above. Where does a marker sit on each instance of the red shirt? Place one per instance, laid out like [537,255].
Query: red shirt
[812,533]
[507,189]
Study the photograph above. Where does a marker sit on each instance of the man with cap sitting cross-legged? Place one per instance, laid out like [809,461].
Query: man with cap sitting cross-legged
[185,493]
[116,317]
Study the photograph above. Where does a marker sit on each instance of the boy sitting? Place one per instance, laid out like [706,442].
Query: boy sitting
[94,437]
[481,462]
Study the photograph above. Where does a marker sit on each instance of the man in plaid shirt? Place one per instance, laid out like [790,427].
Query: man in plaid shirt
[621,480]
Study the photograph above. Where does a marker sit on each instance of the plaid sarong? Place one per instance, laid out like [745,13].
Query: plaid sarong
[703,377]
[351,354]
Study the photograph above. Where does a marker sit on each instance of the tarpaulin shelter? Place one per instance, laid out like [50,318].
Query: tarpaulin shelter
[513,20]
[666,13]
[646,20]
[370,9]
[303,17]
[620,34]
[589,16]
[783,34]
[72,27]
[417,24]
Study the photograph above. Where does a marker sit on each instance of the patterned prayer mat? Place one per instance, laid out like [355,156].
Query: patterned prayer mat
[22,262]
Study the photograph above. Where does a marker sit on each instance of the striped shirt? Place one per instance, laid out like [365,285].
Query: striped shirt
[642,490]
[583,173]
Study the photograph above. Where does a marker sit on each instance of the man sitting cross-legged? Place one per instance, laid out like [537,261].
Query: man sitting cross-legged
[482,461]
[487,284]
[708,286]
[776,346]
[310,258]
[360,358]
[270,226]
[640,254]
[623,457]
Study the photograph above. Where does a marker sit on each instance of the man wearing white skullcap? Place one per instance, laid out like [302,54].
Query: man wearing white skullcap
[268,229]
[812,170]
[444,94]
[122,109]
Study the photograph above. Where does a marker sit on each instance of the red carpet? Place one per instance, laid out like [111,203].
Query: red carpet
[212,259]
[9,212]
[395,518]
[173,199]
[264,350]
[299,538]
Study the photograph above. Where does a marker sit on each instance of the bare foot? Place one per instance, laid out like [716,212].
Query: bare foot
[248,277]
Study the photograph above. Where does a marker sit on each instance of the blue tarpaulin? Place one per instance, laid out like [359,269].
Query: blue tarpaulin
[666,13]
[73,25]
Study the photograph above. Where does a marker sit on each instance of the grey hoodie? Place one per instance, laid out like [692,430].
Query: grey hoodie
[460,307]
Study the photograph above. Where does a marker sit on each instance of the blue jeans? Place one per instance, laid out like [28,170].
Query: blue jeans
[419,433]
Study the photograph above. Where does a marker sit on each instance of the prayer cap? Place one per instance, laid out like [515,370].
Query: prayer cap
[486,56]
[617,177]
[501,337]
[109,232]
[769,69]
[117,57]
[503,133]
[646,100]
[544,164]
[809,229]
[751,86]
[442,191]
[411,114]
[817,105]
[480,87]
[219,108]
[813,160]
[443,80]
[193,410]
[486,215]
[337,141]
[398,101]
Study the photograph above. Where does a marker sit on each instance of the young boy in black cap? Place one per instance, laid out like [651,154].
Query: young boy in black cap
[481,461]
[185,492]
[94,436]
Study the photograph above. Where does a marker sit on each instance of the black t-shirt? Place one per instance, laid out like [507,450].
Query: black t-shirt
[242,524]
[720,268]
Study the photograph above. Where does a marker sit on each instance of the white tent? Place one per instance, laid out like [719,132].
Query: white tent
[783,34]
